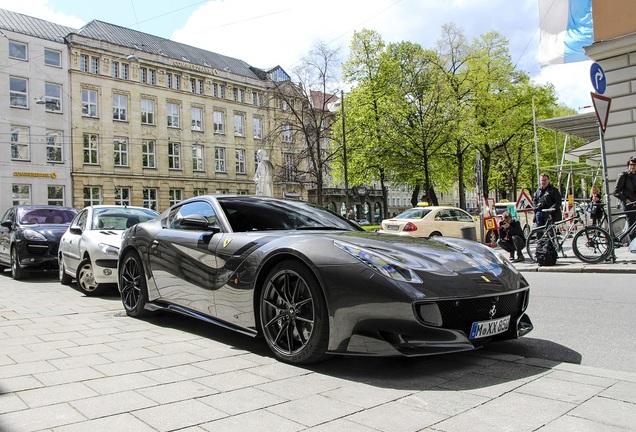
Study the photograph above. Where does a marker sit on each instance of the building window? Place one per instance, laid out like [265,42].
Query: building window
[120,147]
[257,99]
[19,94]
[143,74]
[258,128]
[92,195]
[52,58]
[89,103]
[238,95]
[240,161]
[20,143]
[200,86]
[21,194]
[198,192]
[193,85]
[219,159]
[84,63]
[287,133]
[173,115]
[124,71]
[197,158]
[174,196]
[152,77]
[120,107]
[91,149]
[95,65]
[176,82]
[122,196]
[174,155]
[289,168]
[147,111]
[53,97]
[168,80]
[114,69]
[55,195]
[54,146]
[197,118]
[150,199]
[18,50]
[218,122]
[148,153]
[239,125]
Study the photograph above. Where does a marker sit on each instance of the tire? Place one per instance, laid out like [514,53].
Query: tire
[592,245]
[435,234]
[526,230]
[492,237]
[132,285]
[86,280]
[293,314]
[531,242]
[619,224]
[65,279]
[17,271]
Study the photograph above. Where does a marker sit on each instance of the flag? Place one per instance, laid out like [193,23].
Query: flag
[566,27]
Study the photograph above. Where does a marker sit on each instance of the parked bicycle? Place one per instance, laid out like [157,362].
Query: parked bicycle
[619,222]
[590,244]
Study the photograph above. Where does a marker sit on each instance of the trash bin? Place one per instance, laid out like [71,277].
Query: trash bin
[468,233]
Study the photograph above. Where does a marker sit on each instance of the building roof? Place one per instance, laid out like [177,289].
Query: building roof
[36,27]
[139,42]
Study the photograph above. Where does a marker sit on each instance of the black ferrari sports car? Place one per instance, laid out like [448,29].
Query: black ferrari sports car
[314,284]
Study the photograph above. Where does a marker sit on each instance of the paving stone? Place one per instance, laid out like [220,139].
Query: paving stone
[397,416]
[607,411]
[242,400]
[178,415]
[111,404]
[566,391]
[120,422]
[313,410]
[37,419]
[255,421]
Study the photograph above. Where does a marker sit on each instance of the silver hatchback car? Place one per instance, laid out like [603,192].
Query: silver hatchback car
[89,248]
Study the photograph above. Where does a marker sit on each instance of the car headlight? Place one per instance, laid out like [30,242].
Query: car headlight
[382,264]
[30,234]
[108,249]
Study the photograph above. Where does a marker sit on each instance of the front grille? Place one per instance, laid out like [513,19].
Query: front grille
[461,313]
[38,249]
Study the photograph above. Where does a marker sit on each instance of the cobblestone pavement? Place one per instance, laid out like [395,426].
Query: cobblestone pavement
[75,363]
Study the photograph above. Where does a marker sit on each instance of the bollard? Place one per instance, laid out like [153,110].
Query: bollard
[468,233]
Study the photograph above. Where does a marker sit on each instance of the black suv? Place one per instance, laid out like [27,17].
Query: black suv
[30,236]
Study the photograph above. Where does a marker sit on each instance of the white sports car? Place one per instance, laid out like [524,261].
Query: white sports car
[89,248]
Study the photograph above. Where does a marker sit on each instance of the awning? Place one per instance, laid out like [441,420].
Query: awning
[580,125]
[590,151]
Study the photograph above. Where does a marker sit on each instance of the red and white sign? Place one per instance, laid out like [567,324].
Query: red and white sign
[602,108]
[524,202]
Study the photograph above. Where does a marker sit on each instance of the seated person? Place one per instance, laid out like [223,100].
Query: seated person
[511,238]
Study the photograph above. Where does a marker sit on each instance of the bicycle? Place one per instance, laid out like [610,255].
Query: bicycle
[619,222]
[591,244]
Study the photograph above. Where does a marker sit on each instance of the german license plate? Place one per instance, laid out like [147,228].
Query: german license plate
[393,227]
[488,328]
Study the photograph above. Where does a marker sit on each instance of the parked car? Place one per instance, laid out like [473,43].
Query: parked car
[89,248]
[363,221]
[313,283]
[30,236]
[430,221]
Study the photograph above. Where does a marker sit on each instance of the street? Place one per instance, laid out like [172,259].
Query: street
[585,318]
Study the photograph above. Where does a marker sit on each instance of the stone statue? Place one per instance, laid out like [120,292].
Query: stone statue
[264,176]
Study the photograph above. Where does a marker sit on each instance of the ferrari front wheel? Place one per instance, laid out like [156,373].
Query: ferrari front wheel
[293,314]
[132,285]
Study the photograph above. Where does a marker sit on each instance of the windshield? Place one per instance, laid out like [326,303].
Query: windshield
[44,216]
[253,214]
[120,218]
[414,213]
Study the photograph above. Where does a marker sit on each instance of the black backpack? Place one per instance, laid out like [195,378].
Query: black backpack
[545,254]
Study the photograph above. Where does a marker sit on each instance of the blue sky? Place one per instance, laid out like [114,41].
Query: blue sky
[281,32]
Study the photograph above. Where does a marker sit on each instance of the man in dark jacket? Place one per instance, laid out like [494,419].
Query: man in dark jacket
[546,197]
[625,190]
[511,238]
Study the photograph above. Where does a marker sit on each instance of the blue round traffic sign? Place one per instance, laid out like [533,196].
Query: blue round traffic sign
[597,75]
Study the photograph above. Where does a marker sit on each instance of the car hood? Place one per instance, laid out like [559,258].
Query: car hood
[110,237]
[438,258]
[51,232]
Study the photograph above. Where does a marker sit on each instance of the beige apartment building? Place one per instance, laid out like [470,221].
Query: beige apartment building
[156,121]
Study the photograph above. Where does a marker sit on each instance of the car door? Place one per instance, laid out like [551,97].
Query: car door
[5,236]
[70,244]
[183,261]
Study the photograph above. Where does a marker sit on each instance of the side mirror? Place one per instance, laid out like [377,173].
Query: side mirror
[75,230]
[198,223]
[7,223]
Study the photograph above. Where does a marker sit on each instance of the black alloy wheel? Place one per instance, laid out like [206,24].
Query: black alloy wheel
[293,314]
[132,285]
[17,271]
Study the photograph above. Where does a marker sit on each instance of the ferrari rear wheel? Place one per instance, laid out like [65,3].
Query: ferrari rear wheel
[86,279]
[132,285]
[293,314]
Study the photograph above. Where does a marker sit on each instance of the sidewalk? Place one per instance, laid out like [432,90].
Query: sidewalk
[70,363]
[625,263]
